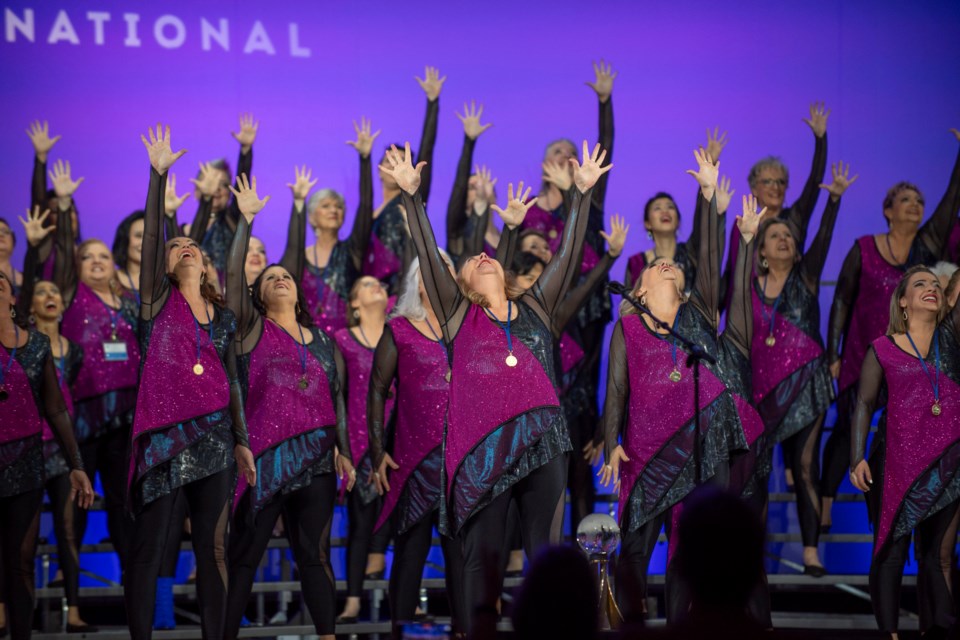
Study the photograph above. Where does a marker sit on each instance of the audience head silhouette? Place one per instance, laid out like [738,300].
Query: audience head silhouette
[558,598]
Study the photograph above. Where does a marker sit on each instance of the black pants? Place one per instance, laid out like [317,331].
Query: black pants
[583,493]
[633,565]
[836,453]
[65,514]
[307,517]
[361,519]
[539,499]
[801,452]
[171,548]
[20,515]
[935,539]
[107,455]
[409,555]
[208,501]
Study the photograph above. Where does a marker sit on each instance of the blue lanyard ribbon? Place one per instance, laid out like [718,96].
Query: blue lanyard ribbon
[196,326]
[772,317]
[505,327]
[935,377]
[13,355]
[301,346]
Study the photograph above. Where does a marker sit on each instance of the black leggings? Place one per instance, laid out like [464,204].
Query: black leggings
[20,515]
[409,555]
[65,512]
[801,452]
[307,517]
[836,453]
[171,548]
[935,539]
[539,499]
[107,455]
[361,519]
[583,493]
[208,501]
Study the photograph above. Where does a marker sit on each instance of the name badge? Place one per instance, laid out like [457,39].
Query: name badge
[115,351]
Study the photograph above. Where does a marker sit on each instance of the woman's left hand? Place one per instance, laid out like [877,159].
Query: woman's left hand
[81,489]
[749,222]
[400,167]
[585,175]
[517,207]
[247,200]
[245,463]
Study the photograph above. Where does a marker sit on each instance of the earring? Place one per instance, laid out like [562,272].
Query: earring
[356,313]
[650,234]
[13,311]
[203,278]
[764,263]
[905,314]
[32,319]
[643,300]
[298,308]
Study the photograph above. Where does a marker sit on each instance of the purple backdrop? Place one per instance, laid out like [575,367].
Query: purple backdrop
[885,71]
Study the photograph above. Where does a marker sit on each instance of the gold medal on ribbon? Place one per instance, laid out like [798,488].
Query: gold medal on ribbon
[198,369]
[935,409]
[511,360]
[675,375]
[770,341]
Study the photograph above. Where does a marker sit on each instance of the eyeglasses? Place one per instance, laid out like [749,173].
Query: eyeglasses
[769,182]
[5,233]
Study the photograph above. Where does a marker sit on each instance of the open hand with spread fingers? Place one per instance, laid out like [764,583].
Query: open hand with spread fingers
[486,192]
[818,119]
[247,200]
[171,201]
[841,180]
[724,195]
[63,185]
[557,174]
[302,184]
[39,135]
[400,167]
[716,141]
[209,181]
[471,120]
[585,175]
[517,207]
[248,132]
[431,83]
[603,83]
[364,142]
[749,222]
[158,148]
[34,227]
[706,174]
[617,236]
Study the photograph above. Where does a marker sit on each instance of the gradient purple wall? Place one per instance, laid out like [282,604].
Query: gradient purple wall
[887,70]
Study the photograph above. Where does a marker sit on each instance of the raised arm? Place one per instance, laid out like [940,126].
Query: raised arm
[154,286]
[246,137]
[844,297]
[39,135]
[811,265]
[936,230]
[36,231]
[739,327]
[706,288]
[552,285]
[868,390]
[441,287]
[207,183]
[800,212]
[171,204]
[457,214]
[431,84]
[249,321]
[363,221]
[568,309]
[384,371]
[294,253]
[603,86]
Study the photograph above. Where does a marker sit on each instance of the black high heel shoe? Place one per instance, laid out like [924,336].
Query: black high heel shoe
[814,571]
[81,628]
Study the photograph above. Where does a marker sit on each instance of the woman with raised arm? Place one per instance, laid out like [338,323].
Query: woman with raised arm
[189,426]
[768,180]
[792,388]
[914,464]
[367,319]
[333,265]
[388,243]
[506,438]
[649,394]
[467,202]
[291,375]
[40,307]
[8,240]
[869,274]
[218,222]
[101,318]
[29,394]
[412,353]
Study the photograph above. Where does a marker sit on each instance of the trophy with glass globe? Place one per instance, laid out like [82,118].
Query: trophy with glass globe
[598,535]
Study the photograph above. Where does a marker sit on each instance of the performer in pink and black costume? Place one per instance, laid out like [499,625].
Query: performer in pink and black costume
[870,272]
[914,462]
[291,373]
[189,426]
[505,438]
[650,392]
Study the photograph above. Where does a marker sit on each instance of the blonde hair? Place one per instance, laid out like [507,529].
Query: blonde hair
[512,289]
[115,285]
[627,308]
[899,324]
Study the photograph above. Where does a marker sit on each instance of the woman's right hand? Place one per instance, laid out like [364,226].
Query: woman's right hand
[585,175]
[209,181]
[171,201]
[39,135]
[611,470]
[380,477]
[835,370]
[861,477]
[302,184]
[706,174]
[471,120]
[517,207]
[400,168]
[364,142]
[158,148]
[33,226]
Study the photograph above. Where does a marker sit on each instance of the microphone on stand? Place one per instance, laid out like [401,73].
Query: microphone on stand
[619,288]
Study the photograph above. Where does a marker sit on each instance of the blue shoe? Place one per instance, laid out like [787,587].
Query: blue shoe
[163,619]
